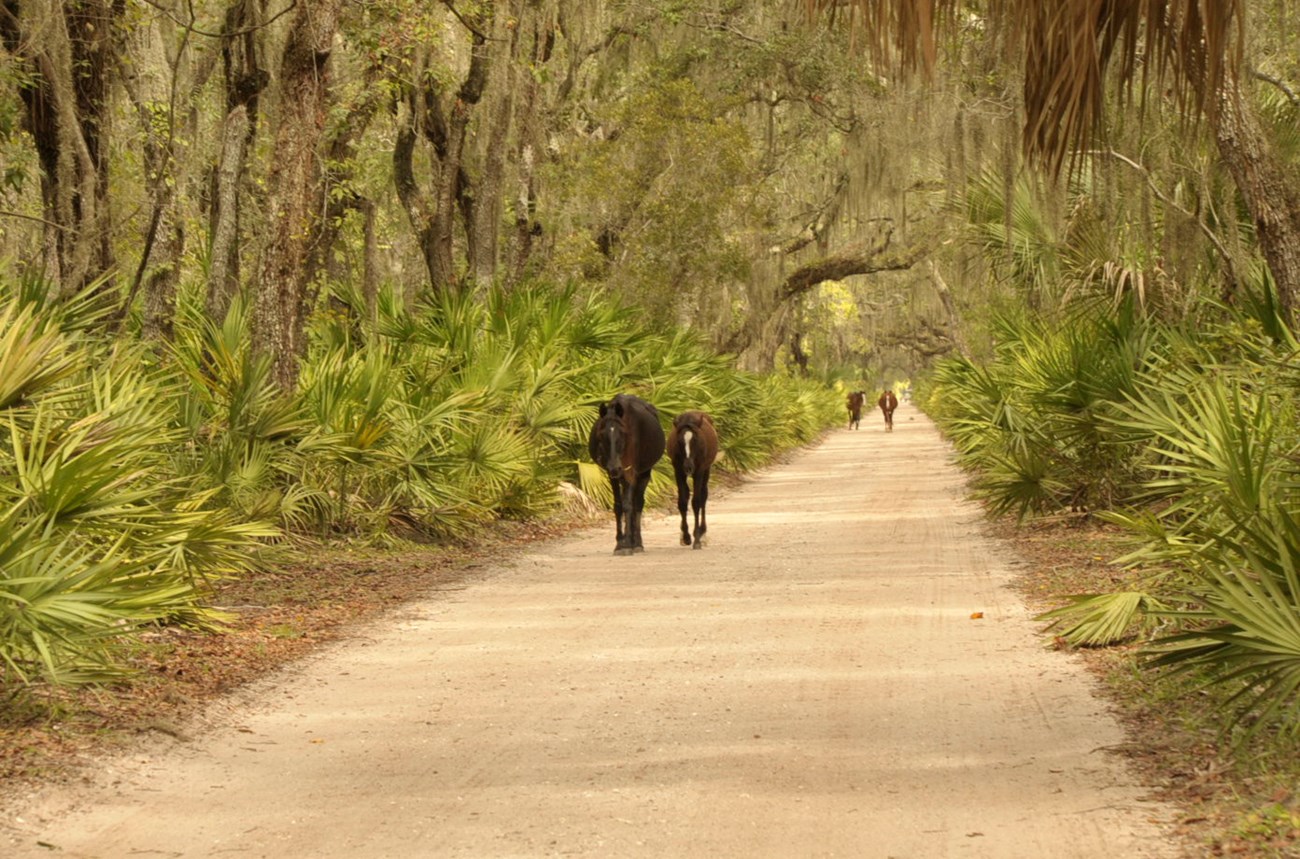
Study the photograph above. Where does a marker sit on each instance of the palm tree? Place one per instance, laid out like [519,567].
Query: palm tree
[1072,49]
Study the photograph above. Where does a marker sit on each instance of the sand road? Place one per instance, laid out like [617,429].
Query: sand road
[810,684]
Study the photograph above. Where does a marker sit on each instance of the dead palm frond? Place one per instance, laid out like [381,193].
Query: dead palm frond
[1070,48]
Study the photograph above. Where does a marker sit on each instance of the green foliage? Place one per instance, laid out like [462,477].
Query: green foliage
[1192,442]
[99,535]
[1091,620]
[1015,232]
[658,198]
[1225,487]
[1036,424]
[239,433]
[429,422]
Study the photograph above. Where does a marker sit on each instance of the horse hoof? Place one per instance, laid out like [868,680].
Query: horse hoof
[637,550]
[698,545]
[623,550]
[686,541]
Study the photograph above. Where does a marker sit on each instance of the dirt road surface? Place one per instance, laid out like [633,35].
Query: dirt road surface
[811,684]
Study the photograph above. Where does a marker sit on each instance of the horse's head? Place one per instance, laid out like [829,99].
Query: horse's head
[609,438]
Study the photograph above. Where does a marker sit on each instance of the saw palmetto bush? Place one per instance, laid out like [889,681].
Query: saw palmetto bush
[1221,537]
[1199,434]
[467,407]
[1034,424]
[241,438]
[98,534]
[412,427]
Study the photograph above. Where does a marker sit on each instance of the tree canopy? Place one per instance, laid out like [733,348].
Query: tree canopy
[713,165]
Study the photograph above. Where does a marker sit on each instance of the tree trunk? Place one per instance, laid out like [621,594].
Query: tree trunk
[415,201]
[160,288]
[950,307]
[245,80]
[485,226]
[433,213]
[538,33]
[1271,195]
[222,278]
[369,261]
[340,160]
[157,90]
[454,186]
[295,199]
[69,50]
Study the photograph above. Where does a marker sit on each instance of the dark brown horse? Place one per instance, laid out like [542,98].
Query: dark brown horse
[888,402]
[627,441]
[692,447]
[856,399]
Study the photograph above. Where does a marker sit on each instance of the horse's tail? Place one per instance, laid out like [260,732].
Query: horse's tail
[688,449]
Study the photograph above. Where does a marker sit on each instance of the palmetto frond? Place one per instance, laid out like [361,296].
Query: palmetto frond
[1247,605]
[33,356]
[1014,231]
[1091,620]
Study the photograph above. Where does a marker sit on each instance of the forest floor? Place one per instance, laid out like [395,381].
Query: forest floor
[295,614]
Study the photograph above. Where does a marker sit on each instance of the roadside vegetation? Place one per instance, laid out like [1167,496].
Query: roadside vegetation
[1147,463]
[136,481]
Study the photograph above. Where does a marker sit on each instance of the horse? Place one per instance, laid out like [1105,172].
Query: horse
[856,399]
[692,447]
[627,441]
[888,402]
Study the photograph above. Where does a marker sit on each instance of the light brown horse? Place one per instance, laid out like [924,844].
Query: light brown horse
[692,447]
[856,399]
[888,402]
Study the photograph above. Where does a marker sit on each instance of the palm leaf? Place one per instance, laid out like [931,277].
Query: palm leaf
[1094,620]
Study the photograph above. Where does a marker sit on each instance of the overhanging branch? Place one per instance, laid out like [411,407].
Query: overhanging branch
[860,260]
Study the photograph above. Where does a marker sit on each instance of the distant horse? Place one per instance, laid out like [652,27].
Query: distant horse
[692,447]
[856,399]
[627,441]
[888,402]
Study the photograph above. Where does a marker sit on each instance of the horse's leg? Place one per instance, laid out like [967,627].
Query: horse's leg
[701,498]
[683,497]
[628,517]
[617,489]
[638,505]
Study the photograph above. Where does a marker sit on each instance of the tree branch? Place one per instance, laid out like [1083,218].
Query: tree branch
[926,339]
[854,261]
[8,214]
[581,57]
[1280,84]
[285,11]
[475,27]
[1160,195]
[820,222]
